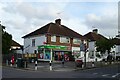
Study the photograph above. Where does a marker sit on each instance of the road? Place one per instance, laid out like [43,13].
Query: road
[104,72]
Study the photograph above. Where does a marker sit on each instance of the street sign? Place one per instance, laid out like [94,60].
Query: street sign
[82,47]
[92,46]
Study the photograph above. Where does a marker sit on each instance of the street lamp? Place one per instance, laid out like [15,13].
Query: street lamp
[83,47]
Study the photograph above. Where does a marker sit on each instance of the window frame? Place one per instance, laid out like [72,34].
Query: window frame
[64,39]
[33,42]
[53,38]
[75,41]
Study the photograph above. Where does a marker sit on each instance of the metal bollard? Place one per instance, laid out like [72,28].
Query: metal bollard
[6,62]
[16,62]
[50,66]
[63,63]
[25,64]
[35,65]
[82,65]
[11,63]
[93,65]
[105,62]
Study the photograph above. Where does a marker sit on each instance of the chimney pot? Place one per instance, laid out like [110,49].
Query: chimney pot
[95,31]
[58,21]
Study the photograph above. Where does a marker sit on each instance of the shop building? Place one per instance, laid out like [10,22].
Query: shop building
[53,41]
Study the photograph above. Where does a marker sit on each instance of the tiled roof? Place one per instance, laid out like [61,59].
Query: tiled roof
[93,36]
[116,41]
[14,43]
[55,29]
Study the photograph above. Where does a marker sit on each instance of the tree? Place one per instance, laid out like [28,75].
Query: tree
[6,41]
[104,44]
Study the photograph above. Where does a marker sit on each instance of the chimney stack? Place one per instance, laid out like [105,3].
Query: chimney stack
[95,31]
[58,21]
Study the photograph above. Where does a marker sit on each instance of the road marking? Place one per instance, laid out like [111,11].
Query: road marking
[95,73]
[105,75]
[116,75]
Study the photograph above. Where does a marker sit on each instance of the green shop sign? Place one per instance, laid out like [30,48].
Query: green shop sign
[53,47]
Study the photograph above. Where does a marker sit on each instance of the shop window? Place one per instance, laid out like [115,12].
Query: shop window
[53,38]
[76,41]
[33,42]
[64,40]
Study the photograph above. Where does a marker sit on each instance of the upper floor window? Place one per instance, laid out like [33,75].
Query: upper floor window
[76,41]
[64,39]
[53,38]
[33,42]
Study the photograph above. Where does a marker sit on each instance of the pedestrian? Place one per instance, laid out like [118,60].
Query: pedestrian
[109,58]
[13,59]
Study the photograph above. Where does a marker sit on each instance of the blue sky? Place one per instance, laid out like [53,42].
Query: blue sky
[83,8]
[22,17]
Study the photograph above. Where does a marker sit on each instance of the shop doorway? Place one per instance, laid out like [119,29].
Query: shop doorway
[62,55]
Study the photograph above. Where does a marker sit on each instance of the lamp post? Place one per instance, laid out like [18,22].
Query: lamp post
[85,59]
[22,50]
[83,48]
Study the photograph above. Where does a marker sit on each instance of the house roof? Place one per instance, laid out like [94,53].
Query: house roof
[94,36]
[55,29]
[14,43]
[116,41]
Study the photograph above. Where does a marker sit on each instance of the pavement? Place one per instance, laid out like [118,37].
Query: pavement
[58,66]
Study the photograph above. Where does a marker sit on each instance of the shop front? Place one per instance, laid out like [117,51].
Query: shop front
[53,52]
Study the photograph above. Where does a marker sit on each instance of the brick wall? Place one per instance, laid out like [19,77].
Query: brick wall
[58,42]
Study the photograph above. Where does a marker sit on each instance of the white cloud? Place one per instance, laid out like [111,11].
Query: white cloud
[91,18]
[22,18]
[77,25]
[60,0]
[17,21]
[107,24]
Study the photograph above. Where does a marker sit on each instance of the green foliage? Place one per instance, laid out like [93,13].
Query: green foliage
[104,44]
[6,41]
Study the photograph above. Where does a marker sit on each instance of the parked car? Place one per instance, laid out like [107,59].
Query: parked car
[79,62]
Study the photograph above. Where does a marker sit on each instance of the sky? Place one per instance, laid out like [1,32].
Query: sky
[24,16]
